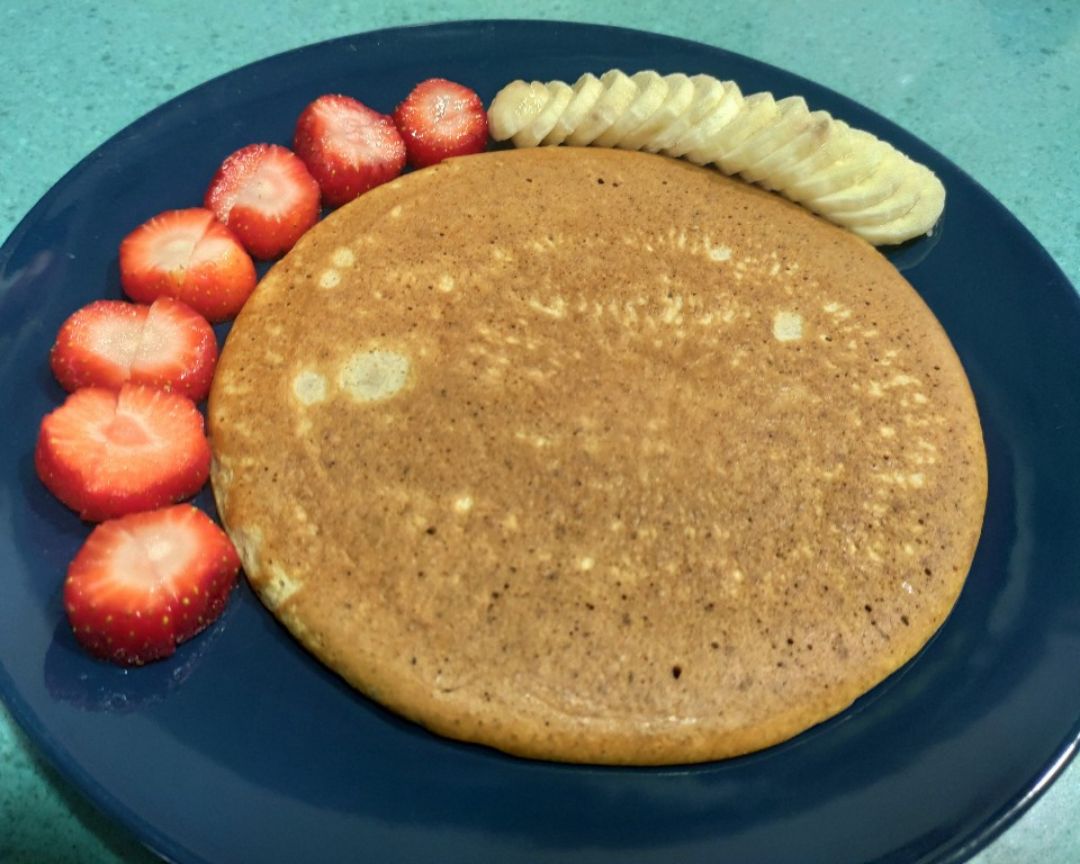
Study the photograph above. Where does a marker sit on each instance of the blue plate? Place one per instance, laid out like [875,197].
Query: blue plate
[243,748]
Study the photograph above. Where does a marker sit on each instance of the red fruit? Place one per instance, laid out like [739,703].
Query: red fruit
[189,255]
[144,583]
[439,119]
[107,454]
[348,147]
[266,196]
[109,342]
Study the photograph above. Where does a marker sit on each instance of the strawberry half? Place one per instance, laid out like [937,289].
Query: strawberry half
[348,147]
[439,119]
[189,255]
[144,583]
[108,343]
[107,454]
[265,194]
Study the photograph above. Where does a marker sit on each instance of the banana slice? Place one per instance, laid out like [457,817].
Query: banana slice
[882,182]
[708,94]
[799,147]
[516,106]
[790,118]
[652,89]
[888,209]
[795,134]
[919,220]
[680,95]
[835,145]
[758,110]
[755,111]
[559,97]
[860,156]
[619,93]
[702,135]
[587,90]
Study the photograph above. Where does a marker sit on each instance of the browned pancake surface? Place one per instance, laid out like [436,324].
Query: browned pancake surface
[597,456]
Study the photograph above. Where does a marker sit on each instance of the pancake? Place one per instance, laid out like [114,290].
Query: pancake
[597,456]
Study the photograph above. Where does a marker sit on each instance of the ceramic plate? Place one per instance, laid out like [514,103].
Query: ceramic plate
[243,748]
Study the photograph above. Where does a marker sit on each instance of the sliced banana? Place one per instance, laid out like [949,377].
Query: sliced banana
[705,132]
[790,139]
[861,155]
[619,93]
[680,95]
[919,220]
[790,117]
[559,97]
[758,110]
[708,94]
[888,173]
[587,90]
[888,209]
[846,175]
[768,170]
[516,106]
[836,144]
[652,89]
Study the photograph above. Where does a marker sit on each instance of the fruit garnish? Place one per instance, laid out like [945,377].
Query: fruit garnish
[144,583]
[848,176]
[109,343]
[189,255]
[348,147]
[105,453]
[439,119]
[267,196]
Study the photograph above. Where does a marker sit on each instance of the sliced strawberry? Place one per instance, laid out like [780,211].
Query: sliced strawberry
[144,583]
[265,194]
[109,342]
[439,119]
[106,454]
[348,147]
[189,255]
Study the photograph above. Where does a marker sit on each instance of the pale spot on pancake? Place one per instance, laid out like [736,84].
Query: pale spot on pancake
[887,432]
[309,387]
[787,326]
[446,283]
[279,587]
[672,307]
[343,257]
[555,309]
[247,542]
[917,480]
[586,563]
[395,212]
[510,522]
[374,375]
[719,253]
[330,278]
[304,426]
[501,254]
[463,504]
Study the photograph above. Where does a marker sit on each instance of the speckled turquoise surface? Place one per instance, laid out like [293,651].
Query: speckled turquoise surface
[993,84]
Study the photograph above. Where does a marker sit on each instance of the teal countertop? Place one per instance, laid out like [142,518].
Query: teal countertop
[994,85]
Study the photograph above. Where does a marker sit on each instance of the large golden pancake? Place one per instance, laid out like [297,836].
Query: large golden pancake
[597,456]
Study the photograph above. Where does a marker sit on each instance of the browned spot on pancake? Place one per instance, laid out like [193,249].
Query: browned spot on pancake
[666,469]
